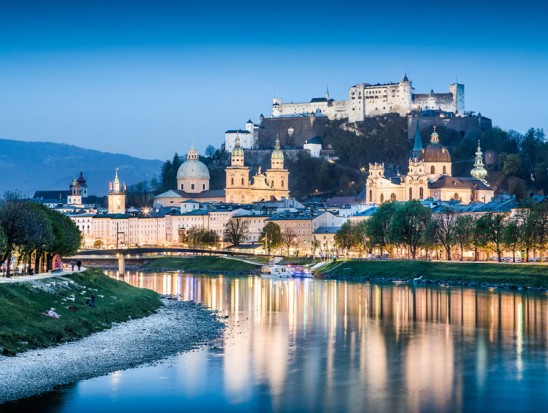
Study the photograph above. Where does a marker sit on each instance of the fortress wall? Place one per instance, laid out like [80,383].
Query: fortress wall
[467,126]
[304,128]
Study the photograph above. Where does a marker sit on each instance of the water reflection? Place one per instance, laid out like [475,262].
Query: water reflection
[313,345]
[337,345]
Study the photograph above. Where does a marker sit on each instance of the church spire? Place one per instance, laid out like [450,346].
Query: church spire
[479,171]
[417,145]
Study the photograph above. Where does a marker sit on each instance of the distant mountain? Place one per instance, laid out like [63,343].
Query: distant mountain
[32,166]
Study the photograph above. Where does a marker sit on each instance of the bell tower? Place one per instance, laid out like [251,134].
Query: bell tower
[277,176]
[116,196]
[237,176]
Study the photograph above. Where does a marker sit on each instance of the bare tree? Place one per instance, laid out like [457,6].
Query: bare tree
[446,229]
[236,231]
[289,237]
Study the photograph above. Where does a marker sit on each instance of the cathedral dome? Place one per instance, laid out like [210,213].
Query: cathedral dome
[435,151]
[192,168]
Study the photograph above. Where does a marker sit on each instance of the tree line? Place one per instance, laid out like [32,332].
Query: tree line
[412,227]
[33,232]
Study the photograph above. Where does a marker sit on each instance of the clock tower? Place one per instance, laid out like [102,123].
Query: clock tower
[116,196]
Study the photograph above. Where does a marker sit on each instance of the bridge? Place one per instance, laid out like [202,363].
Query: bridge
[141,255]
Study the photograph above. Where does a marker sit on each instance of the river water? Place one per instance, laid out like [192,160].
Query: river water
[333,346]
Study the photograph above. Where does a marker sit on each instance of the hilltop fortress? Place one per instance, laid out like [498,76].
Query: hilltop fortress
[366,100]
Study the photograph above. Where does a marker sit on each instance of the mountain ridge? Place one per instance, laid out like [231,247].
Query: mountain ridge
[31,166]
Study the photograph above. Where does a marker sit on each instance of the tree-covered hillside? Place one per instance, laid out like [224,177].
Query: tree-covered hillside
[517,164]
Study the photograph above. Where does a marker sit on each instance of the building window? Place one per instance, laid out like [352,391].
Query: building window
[282,183]
[242,181]
[432,169]
[232,181]
[370,195]
[444,170]
[410,194]
[392,196]
[382,198]
[191,186]
[203,187]
[421,193]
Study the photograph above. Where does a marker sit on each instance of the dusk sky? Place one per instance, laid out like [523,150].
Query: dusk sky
[147,78]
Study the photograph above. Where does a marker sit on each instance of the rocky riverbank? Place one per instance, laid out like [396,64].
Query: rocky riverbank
[175,327]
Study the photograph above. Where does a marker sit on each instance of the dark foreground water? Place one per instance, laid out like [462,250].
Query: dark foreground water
[328,346]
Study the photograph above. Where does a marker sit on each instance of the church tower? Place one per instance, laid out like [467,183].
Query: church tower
[75,197]
[417,144]
[116,196]
[277,176]
[479,171]
[237,176]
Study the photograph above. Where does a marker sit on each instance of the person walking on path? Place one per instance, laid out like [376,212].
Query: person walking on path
[79,264]
[72,264]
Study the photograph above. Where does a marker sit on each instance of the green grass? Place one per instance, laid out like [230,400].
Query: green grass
[521,275]
[23,326]
[200,264]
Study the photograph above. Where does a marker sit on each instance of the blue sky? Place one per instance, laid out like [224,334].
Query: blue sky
[147,78]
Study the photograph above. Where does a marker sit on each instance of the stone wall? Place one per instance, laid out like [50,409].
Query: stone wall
[467,126]
[292,131]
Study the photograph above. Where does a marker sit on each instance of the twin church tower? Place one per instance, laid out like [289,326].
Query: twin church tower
[272,184]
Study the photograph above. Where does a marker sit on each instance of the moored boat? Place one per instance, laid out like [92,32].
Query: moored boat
[302,272]
[277,271]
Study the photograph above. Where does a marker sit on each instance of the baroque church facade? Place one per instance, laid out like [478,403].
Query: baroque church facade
[193,181]
[270,185]
[429,176]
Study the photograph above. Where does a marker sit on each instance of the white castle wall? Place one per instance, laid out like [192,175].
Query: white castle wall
[372,100]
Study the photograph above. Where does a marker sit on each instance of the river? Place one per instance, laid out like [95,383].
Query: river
[333,346]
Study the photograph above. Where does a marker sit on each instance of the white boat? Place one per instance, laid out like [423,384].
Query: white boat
[277,271]
[302,272]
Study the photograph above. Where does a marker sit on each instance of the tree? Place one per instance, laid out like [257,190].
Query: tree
[271,236]
[512,235]
[236,231]
[210,151]
[512,164]
[378,225]
[139,195]
[361,238]
[15,219]
[465,226]
[210,238]
[168,174]
[539,226]
[446,229]
[289,237]
[408,225]
[67,236]
[489,232]
[346,236]
[193,237]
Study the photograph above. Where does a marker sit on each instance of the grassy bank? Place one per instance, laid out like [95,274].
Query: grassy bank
[474,274]
[24,326]
[201,264]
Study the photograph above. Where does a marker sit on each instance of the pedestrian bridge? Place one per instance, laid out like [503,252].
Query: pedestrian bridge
[154,252]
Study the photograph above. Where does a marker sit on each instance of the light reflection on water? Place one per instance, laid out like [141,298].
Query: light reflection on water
[314,345]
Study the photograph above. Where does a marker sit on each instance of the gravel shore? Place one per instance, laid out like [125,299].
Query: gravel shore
[178,326]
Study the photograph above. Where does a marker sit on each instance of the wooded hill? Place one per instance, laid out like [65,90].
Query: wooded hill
[517,164]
